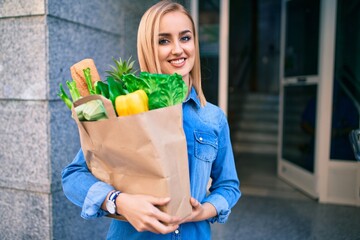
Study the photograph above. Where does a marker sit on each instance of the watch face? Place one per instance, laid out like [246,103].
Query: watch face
[110,206]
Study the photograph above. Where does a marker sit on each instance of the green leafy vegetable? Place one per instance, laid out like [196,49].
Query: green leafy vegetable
[116,88]
[172,91]
[102,88]
[162,89]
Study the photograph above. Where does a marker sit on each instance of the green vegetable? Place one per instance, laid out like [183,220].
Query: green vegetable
[115,89]
[90,111]
[94,110]
[74,92]
[146,82]
[62,94]
[89,83]
[102,88]
[79,112]
[162,89]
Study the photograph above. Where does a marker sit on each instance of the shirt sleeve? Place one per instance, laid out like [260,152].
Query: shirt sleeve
[84,189]
[224,190]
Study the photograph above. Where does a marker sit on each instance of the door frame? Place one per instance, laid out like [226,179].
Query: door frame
[338,181]
[223,48]
[333,181]
[286,170]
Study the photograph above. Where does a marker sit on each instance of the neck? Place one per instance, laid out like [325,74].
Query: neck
[189,83]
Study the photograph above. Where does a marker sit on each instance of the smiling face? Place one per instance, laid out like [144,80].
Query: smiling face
[176,49]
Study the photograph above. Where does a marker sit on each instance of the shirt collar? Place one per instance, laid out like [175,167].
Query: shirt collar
[193,97]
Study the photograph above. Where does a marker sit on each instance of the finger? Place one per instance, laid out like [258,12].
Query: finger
[147,224]
[185,219]
[165,218]
[164,229]
[152,229]
[195,203]
[153,225]
[158,201]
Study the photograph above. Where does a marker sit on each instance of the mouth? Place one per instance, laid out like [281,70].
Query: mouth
[177,62]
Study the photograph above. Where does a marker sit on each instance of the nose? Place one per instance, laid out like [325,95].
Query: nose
[176,48]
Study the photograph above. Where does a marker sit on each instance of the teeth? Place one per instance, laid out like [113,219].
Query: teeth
[178,61]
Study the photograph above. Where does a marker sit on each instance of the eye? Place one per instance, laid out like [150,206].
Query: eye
[185,38]
[163,41]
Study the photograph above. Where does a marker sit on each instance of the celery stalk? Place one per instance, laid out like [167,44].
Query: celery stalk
[87,76]
[62,94]
[74,92]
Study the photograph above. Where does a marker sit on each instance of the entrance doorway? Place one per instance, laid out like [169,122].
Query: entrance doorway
[303,76]
[253,75]
[254,46]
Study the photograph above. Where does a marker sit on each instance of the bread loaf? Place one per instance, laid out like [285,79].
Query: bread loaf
[77,75]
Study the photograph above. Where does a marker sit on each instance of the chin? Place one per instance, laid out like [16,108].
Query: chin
[184,73]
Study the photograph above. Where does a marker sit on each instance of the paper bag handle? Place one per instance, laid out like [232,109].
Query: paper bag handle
[110,112]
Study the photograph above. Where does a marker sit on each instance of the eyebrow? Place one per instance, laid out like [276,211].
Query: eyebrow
[168,34]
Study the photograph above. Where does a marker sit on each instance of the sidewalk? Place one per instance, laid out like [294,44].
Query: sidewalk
[270,209]
[268,218]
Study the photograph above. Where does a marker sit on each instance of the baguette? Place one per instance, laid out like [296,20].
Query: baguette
[77,75]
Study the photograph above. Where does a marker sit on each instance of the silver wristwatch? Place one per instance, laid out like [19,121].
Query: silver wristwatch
[111,202]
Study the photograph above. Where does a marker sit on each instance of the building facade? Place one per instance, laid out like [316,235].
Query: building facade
[39,41]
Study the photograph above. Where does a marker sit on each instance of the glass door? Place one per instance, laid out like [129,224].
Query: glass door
[298,93]
[339,178]
[209,32]
[211,18]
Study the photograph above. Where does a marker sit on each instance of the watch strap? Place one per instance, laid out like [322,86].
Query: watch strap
[113,197]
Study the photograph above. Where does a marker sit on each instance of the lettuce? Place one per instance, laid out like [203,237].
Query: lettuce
[163,90]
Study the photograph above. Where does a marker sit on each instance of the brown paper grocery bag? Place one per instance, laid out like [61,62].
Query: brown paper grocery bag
[144,153]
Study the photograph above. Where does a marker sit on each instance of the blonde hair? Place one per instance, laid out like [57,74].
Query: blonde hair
[147,43]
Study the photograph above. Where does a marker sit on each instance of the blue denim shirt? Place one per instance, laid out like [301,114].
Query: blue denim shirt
[210,156]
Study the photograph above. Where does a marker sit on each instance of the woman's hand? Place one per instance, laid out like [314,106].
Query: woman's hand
[200,211]
[142,213]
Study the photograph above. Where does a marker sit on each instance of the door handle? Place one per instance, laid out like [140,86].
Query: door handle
[301,79]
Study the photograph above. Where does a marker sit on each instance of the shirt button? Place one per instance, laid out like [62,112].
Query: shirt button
[177,231]
[200,138]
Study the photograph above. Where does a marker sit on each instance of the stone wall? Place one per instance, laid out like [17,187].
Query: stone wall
[39,41]
[25,182]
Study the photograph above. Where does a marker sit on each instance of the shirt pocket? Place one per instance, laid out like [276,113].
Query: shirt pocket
[206,146]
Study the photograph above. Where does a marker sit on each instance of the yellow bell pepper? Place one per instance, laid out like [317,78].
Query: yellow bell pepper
[132,103]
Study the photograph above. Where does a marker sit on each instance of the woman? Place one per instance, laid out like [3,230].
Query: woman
[167,43]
